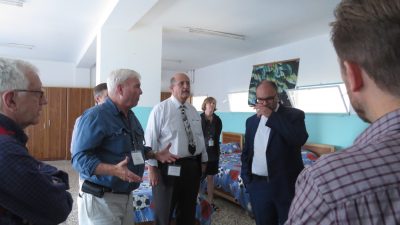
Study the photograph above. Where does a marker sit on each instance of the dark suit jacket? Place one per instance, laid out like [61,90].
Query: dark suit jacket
[288,134]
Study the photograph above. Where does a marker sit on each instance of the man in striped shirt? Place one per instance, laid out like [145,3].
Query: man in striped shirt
[361,184]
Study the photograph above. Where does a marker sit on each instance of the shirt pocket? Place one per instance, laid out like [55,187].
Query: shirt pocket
[195,125]
[119,140]
[139,137]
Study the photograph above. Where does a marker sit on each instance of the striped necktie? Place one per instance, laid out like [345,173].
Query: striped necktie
[188,130]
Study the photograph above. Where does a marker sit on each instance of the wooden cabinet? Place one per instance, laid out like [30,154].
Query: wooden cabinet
[78,100]
[164,95]
[50,138]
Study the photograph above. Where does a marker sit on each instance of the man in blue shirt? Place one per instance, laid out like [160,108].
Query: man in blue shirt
[31,192]
[109,153]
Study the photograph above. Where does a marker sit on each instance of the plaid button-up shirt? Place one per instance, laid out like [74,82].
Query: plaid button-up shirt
[359,185]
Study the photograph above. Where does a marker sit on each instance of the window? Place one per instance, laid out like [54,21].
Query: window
[330,98]
[238,102]
[197,101]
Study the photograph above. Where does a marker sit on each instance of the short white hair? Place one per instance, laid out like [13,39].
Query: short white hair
[119,76]
[12,74]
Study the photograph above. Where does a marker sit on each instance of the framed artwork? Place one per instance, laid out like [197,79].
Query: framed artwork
[283,73]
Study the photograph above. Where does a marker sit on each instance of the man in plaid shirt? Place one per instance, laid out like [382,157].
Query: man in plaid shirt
[361,184]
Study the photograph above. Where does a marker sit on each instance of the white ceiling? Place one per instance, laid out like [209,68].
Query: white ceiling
[64,30]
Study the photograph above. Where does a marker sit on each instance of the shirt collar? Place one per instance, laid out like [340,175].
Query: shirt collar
[384,126]
[9,127]
[116,111]
[177,103]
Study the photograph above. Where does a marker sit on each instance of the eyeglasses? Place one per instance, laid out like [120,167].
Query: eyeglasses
[41,93]
[267,99]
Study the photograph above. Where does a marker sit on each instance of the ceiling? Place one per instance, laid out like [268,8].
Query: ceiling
[65,30]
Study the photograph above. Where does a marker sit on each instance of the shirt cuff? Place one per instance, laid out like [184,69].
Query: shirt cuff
[204,157]
[152,162]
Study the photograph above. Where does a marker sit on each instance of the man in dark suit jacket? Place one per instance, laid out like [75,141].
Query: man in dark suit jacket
[271,157]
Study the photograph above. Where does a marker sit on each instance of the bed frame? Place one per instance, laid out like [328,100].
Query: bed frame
[227,137]
[318,149]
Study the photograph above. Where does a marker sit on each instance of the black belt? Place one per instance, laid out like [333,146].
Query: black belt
[195,157]
[258,177]
[106,189]
[98,190]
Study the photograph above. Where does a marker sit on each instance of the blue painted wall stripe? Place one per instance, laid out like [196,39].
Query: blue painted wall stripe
[334,129]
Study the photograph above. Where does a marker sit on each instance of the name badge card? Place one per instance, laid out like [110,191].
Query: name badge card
[137,157]
[174,170]
[210,142]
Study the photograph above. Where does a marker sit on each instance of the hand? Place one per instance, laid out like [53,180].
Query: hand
[122,171]
[262,110]
[165,156]
[153,175]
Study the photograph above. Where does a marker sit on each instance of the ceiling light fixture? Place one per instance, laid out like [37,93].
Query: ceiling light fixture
[215,33]
[16,45]
[19,3]
[172,60]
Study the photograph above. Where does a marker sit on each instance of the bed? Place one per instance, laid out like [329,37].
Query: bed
[142,204]
[228,182]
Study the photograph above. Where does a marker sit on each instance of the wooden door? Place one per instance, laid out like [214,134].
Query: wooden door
[37,135]
[78,100]
[165,95]
[56,123]
[47,138]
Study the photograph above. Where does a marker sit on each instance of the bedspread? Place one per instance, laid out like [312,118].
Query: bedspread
[228,178]
[143,204]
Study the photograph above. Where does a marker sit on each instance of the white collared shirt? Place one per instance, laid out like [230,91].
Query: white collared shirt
[165,125]
[259,165]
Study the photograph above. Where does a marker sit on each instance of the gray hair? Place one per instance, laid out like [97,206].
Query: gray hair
[12,74]
[119,76]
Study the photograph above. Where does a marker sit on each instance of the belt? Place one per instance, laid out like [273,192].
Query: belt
[195,157]
[98,190]
[109,190]
[258,177]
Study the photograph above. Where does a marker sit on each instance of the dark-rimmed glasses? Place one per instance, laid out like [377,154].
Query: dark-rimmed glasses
[41,93]
[267,99]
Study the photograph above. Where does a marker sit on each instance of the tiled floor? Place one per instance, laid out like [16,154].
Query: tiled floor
[229,213]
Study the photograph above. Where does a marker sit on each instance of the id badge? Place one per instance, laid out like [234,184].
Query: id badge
[137,157]
[210,142]
[174,170]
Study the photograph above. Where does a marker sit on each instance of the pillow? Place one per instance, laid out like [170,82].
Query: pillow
[308,157]
[229,148]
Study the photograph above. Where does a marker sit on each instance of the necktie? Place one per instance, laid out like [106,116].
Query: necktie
[191,147]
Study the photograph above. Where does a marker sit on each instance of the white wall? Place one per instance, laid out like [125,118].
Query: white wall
[61,74]
[166,76]
[140,50]
[318,65]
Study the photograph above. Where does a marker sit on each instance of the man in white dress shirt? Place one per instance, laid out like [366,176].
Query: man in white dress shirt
[175,186]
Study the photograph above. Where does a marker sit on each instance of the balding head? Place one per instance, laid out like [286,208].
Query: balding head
[180,87]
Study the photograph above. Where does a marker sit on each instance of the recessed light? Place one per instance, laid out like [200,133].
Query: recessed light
[17,45]
[19,3]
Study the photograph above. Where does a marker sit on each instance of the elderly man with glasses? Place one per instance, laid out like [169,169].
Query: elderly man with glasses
[31,192]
